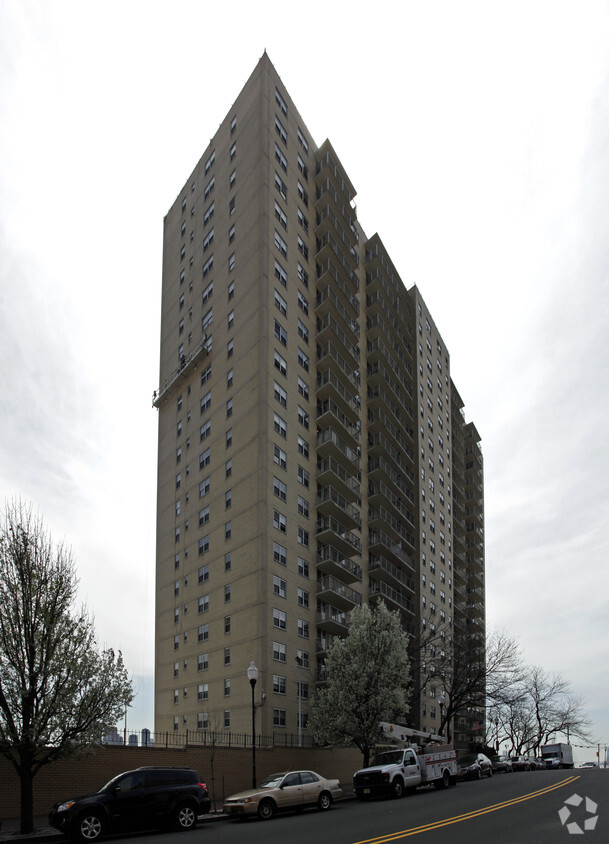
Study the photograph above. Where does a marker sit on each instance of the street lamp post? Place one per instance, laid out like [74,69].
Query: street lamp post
[441,702]
[252,676]
[497,732]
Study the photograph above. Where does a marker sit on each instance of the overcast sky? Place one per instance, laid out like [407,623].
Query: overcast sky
[477,138]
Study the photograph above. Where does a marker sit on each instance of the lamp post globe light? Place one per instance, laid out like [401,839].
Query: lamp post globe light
[252,676]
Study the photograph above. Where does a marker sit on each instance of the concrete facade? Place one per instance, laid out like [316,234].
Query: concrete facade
[308,426]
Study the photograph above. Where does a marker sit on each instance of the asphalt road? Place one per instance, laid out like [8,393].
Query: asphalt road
[528,808]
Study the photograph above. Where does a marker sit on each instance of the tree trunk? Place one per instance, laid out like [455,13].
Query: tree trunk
[27,796]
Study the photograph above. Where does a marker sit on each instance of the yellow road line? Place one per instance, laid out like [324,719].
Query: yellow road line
[405,833]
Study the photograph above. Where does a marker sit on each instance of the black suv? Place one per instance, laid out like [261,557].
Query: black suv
[140,799]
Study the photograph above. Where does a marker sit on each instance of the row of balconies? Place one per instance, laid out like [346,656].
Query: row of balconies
[328,325]
[377,347]
[381,489]
[330,472]
[326,220]
[328,267]
[379,466]
[326,300]
[329,412]
[328,354]
[328,497]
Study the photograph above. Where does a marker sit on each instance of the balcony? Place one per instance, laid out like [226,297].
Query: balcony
[382,545]
[331,473]
[329,413]
[394,598]
[328,329]
[332,620]
[331,503]
[330,444]
[188,365]
[331,532]
[328,384]
[394,575]
[330,590]
[330,561]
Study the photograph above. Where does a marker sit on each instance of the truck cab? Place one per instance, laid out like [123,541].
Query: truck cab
[391,773]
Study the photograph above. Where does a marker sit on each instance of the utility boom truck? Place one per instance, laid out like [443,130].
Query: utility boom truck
[403,769]
[557,755]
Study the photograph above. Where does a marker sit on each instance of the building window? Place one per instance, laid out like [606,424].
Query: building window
[303,506]
[303,417]
[279,425]
[228,530]
[303,359]
[280,364]
[280,489]
[227,688]
[228,499]
[281,244]
[303,567]
[303,598]
[280,554]
[279,684]
[279,719]
[202,662]
[280,394]
[303,537]
[279,521]
[204,544]
[202,691]
[203,603]
[281,304]
[279,619]
[203,633]
[280,274]
[280,457]
[279,586]
[203,488]
[303,628]
[280,333]
[279,652]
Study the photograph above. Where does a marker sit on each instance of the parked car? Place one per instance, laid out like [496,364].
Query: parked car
[502,764]
[140,799]
[286,791]
[521,763]
[587,765]
[539,763]
[474,766]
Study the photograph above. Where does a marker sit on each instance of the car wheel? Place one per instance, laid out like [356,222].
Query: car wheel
[266,810]
[490,772]
[397,788]
[324,802]
[185,817]
[479,774]
[90,827]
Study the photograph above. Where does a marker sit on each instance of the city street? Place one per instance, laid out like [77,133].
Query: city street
[522,807]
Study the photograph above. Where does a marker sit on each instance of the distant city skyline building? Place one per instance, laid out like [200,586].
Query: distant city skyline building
[313,453]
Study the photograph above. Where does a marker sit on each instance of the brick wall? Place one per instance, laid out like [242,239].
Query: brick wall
[225,770]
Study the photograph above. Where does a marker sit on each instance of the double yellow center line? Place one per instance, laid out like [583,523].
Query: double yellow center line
[485,810]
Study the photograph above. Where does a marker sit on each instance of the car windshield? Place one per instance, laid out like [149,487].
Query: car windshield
[272,781]
[391,757]
[467,760]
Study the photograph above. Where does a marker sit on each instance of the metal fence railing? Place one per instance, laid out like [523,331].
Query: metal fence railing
[203,738]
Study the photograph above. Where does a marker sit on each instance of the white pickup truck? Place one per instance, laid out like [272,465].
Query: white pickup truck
[395,771]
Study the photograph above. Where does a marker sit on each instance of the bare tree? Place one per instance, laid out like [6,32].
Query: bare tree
[58,692]
[368,679]
[473,673]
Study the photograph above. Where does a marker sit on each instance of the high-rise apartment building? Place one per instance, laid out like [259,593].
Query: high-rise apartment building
[313,453]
